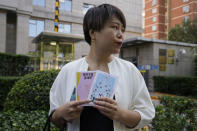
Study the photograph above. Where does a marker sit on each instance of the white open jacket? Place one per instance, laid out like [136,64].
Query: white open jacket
[131,92]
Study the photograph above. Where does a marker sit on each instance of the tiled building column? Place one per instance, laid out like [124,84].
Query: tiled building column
[22,39]
[3,31]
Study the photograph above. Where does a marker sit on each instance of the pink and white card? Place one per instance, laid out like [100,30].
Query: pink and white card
[84,83]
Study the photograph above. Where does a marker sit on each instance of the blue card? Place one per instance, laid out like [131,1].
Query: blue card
[103,85]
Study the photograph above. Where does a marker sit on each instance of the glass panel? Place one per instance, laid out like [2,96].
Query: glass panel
[35,27]
[40,27]
[186,9]
[32,21]
[64,55]
[67,28]
[32,28]
[186,18]
[154,2]
[154,27]
[49,56]
[68,5]
[154,36]
[39,2]
[62,5]
[154,18]
[86,7]
[64,28]
[60,28]
[154,10]
[34,2]
[185,0]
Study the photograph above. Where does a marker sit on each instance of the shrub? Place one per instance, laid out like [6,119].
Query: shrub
[19,121]
[185,86]
[175,113]
[31,92]
[195,65]
[6,83]
[13,65]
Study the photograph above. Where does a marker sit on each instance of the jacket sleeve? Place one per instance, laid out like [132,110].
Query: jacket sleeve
[142,101]
[56,98]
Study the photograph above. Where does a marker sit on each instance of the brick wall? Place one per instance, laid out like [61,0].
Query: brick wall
[175,15]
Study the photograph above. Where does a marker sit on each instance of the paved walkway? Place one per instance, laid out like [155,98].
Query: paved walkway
[155,95]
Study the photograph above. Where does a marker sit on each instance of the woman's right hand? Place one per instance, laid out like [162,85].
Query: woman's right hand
[68,112]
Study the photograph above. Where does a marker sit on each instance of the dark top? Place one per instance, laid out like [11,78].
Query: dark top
[92,120]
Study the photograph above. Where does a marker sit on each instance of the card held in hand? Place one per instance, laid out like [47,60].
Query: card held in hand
[104,85]
[84,82]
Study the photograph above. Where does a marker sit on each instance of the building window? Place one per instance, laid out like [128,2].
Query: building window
[186,9]
[186,18]
[185,0]
[154,27]
[66,5]
[154,10]
[154,2]
[86,7]
[154,36]
[154,19]
[64,28]
[35,27]
[143,13]
[39,2]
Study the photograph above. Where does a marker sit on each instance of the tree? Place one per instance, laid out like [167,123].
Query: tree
[186,32]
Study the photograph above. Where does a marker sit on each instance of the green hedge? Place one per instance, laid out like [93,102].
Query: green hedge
[195,65]
[176,114]
[184,86]
[31,92]
[13,65]
[19,121]
[6,83]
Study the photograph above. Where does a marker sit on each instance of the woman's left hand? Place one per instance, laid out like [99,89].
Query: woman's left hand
[108,107]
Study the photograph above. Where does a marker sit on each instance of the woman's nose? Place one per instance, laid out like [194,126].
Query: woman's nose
[120,34]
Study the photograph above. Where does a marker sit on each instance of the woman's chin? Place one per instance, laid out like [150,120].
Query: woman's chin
[117,51]
[112,52]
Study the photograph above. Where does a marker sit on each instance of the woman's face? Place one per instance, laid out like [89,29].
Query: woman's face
[109,40]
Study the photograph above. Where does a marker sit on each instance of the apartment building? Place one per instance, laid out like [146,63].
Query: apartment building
[183,10]
[162,15]
[22,20]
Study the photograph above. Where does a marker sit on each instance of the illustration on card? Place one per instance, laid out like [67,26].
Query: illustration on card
[103,86]
[84,82]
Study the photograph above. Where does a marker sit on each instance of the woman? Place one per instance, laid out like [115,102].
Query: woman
[131,107]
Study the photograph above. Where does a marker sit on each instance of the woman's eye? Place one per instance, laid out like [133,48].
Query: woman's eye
[115,27]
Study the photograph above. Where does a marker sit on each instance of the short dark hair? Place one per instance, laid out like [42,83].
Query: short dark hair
[96,18]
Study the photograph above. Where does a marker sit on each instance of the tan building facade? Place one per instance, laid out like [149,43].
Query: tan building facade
[155,57]
[162,15]
[23,20]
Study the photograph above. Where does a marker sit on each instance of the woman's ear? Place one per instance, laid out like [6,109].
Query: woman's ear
[92,34]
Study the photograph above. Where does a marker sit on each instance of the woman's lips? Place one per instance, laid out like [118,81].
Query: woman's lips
[119,43]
